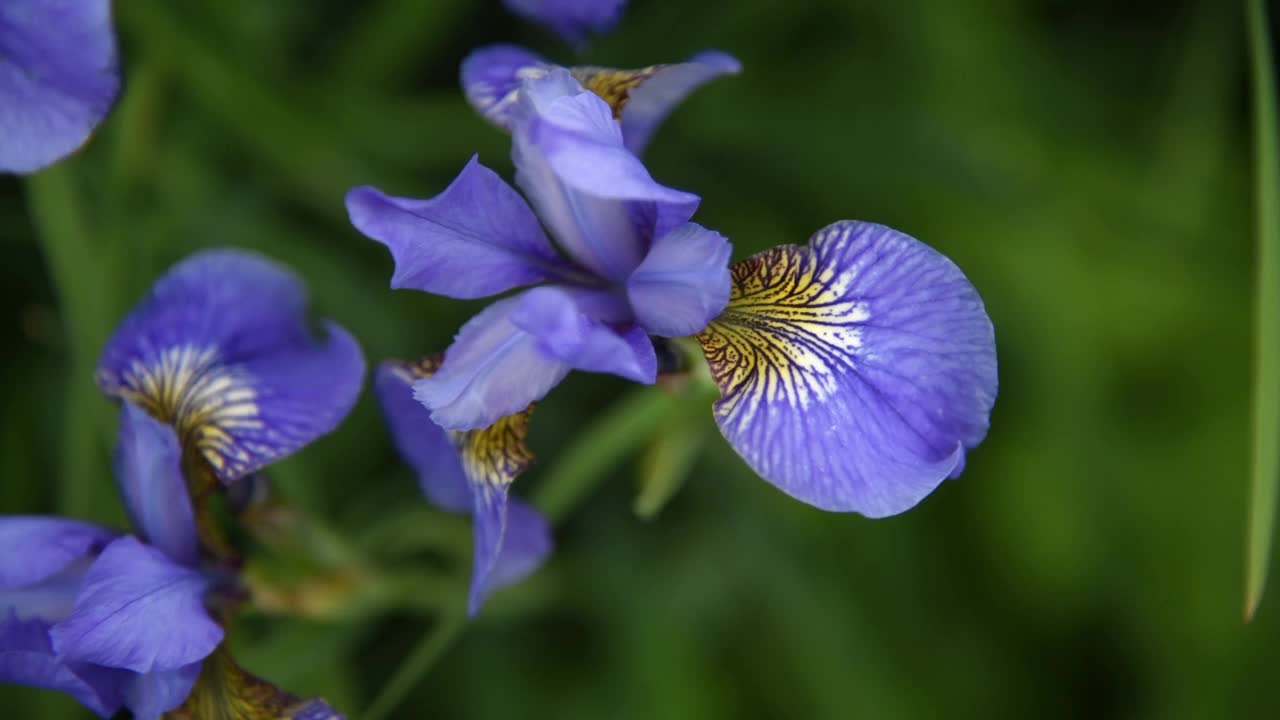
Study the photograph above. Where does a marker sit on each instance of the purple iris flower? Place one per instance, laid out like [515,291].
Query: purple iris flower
[641,99]
[856,372]
[218,375]
[58,78]
[112,620]
[469,472]
[572,20]
[631,263]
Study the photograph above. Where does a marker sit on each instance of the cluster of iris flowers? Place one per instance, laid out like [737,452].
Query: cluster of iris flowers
[854,372]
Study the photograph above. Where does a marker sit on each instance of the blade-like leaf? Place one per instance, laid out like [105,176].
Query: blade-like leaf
[1266,440]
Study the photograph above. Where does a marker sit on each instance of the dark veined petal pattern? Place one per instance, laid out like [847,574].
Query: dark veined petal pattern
[511,538]
[855,372]
[220,350]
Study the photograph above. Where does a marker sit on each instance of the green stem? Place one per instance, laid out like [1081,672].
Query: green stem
[85,290]
[431,647]
[1266,454]
[627,425]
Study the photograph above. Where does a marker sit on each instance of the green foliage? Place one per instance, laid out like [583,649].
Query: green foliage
[1085,163]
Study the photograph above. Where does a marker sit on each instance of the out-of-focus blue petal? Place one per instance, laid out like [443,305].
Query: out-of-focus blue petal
[148,467]
[152,695]
[36,547]
[475,239]
[424,445]
[572,20]
[566,331]
[855,372]
[652,100]
[140,611]
[220,349]
[490,518]
[491,79]
[584,184]
[27,658]
[526,545]
[683,282]
[315,709]
[492,369]
[58,78]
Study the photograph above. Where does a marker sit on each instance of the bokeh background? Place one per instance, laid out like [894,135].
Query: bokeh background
[1086,163]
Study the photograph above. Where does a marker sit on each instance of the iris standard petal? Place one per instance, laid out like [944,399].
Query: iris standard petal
[491,78]
[683,282]
[477,238]
[855,372]
[148,467]
[27,658]
[572,20]
[424,445]
[220,350]
[492,369]
[58,78]
[642,99]
[561,321]
[590,191]
[153,694]
[36,547]
[140,611]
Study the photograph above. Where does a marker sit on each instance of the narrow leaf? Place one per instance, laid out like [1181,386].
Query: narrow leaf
[1266,441]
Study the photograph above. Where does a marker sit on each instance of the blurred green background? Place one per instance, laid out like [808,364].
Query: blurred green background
[1086,163]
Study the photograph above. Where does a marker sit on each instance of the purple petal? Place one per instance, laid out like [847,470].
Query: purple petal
[315,709]
[572,20]
[854,373]
[526,545]
[653,99]
[148,466]
[491,79]
[565,331]
[27,658]
[511,541]
[152,695]
[492,369]
[424,445]
[683,282]
[590,191]
[220,349]
[140,611]
[477,238]
[58,78]
[37,548]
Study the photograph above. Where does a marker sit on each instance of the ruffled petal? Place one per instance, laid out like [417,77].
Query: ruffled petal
[572,20]
[855,372]
[594,195]
[491,79]
[683,282]
[27,658]
[492,369]
[38,547]
[148,467]
[152,695]
[220,349]
[475,239]
[58,78]
[140,611]
[560,319]
[642,99]
[424,445]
